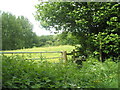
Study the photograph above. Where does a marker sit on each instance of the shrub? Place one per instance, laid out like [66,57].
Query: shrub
[18,73]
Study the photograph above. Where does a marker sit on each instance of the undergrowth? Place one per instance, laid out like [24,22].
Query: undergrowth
[18,73]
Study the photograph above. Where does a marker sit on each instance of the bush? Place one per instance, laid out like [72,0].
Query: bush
[18,73]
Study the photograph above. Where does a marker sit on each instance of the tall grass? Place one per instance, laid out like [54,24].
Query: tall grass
[18,73]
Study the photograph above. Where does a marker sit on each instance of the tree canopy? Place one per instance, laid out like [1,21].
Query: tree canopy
[79,16]
[16,32]
[95,24]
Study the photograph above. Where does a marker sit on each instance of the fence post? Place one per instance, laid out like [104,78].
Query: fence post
[100,48]
[73,55]
[65,56]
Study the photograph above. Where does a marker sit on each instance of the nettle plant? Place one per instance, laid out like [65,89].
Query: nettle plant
[107,45]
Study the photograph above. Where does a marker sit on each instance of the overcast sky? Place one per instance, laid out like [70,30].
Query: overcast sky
[25,8]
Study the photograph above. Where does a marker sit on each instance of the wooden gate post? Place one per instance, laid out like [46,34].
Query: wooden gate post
[73,55]
[65,56]
[100,48]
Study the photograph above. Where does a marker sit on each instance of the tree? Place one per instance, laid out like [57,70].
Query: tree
[46,40]
[16,32]
[85,20]
[66,38]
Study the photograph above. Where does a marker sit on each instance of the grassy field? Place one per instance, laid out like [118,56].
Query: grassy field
[43,56]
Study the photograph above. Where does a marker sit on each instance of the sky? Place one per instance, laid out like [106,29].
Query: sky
[24,8]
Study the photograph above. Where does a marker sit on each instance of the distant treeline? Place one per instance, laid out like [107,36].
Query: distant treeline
[17,34]
[55,40]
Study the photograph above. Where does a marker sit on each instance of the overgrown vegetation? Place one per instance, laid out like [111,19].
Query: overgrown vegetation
[18,73]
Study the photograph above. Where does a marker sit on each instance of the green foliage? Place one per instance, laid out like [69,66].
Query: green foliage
[16,32]
[47,40]
[78,16]
[55,40]
[85,20]
[18,73]
[66,38]
[109,44]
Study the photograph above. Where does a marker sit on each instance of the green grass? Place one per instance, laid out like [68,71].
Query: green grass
[51,48]
[43,56]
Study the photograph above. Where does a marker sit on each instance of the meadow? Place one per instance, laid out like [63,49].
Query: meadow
[50,48]
[43,56]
